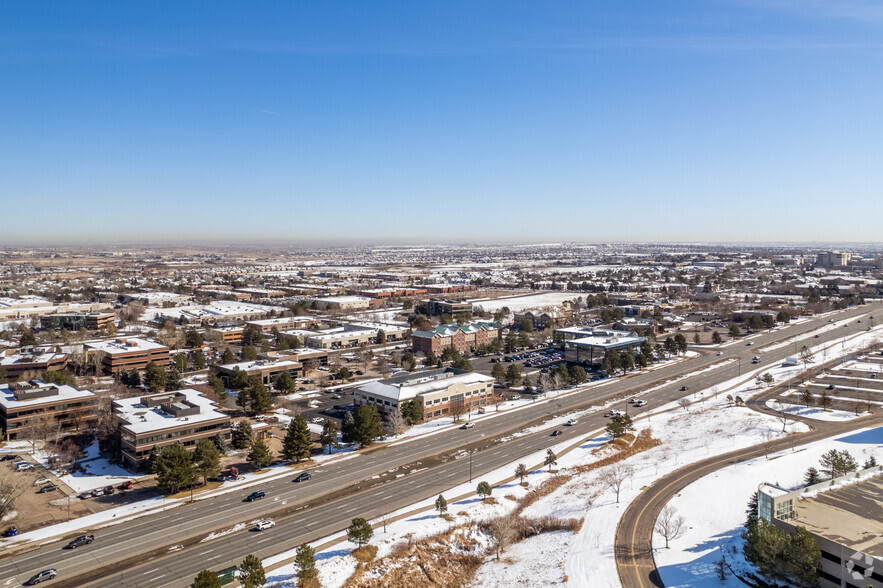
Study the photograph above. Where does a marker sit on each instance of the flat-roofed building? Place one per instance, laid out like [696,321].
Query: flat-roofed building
[457,309]
[158,298]
[439,392]
[844,515]
[342,302]
[587,345]
[159,420]
[74,321]
[45,358]
[265,369]
[231,334]
[463,338]
[131,353]
[26,404]
[284,323]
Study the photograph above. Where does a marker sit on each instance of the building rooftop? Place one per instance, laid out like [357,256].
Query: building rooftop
[35,355]
[408,385]
[261,364]
[124,345]
[138,418]
[851,515]
[55,392]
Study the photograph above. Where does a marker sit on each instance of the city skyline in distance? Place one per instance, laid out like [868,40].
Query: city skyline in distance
[733,121]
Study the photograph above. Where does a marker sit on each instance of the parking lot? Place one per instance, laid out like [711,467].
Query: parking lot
[853,386]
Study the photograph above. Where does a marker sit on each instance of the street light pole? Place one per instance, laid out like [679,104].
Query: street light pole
[470,466]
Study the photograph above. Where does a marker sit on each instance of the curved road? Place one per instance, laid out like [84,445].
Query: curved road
[633,544]
[141,547]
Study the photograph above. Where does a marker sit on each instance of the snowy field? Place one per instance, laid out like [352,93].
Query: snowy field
[521,303]
[690,561]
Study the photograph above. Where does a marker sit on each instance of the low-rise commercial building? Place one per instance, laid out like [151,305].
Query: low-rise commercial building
[440,392]
[342,302]
[128,354]
[231,334]
[74,321]
[353,335]
[158,420]
[46,358]
[265,369]
[463,338]
[27,408]
[282,324]
[587,345]
[843,515]
[457,309]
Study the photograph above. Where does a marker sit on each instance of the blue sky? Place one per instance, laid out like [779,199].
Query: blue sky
[607,120]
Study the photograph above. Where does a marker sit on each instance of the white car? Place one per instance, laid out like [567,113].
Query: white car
[22,466]
[572,422]
[268,524]
[42,481]
[639,402]
[318,420]
[719,353]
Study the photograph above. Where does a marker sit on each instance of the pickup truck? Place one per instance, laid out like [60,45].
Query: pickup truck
[81,540]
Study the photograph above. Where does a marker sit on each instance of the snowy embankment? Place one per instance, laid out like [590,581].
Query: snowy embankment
[714,526]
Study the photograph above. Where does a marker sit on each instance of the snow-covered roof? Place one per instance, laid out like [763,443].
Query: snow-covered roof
[9,402]
[140,419]
[127,345]
[405,387]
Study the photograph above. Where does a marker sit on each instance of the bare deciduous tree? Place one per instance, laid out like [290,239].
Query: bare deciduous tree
[670,525]
[613,477]
[783,415]
[458,409]
[684,403]
[502,531]
[395,423]
[11,487]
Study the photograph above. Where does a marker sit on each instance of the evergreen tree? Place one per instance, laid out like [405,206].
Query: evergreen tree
[207,459]
[297,441]
[359,531]
[716,338]
[305,560]
[347,428]
[441,505]
[227,357]
[251,572]
[284,383]
[735,331]
[260,456]
[173,466]
[811,477]
[751,510]
[220,443]
[499,373]
[199,359]
[838,463]
[513,374]
[181,362]
[249,353]
[192,339]
[154,377]
[366,425]
[412,410]
[484,489]
[328,436]
[242,435]
[779,555]
[206,579]
[870,463]
[521,472]
[259,398]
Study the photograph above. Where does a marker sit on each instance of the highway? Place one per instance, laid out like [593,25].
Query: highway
[136,552]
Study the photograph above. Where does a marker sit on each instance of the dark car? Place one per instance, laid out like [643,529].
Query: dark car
[43,576]
[830,386]
[80,541]
[11,531]
[48,488]
[127,485]
[8,457]
[684,388]
[557,432]
[255,496]
[303,477]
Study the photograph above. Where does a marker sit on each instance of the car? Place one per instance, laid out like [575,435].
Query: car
[859,320]
[317,420]
[571,422]
[9,457]
[49,488]
[830,386]
[750,343]
[303,477]
[43,576]
[613,413]
[719,353]
[80,541]
[468,425]
[84,495]
[640,402]
[39,481]
[127,485]
[98,492]
[108,490]
[11,531]
[846,326]
[816,337]
[262,525]
[873,376]
[830,320]
[257,495]
[557,432]
[336,396]
[22,466]
[684,388]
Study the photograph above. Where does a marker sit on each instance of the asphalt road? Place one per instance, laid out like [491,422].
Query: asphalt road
[633,545]
[141,546]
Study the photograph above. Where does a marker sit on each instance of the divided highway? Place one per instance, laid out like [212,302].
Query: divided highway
[136,553]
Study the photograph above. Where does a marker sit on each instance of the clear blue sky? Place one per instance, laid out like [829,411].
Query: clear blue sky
[414,121]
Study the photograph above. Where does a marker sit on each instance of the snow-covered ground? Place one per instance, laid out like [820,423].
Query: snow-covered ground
[814,413]
[521,303]
[714,523]
[98,472]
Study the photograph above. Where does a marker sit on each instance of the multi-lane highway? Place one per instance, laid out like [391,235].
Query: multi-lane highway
[137,552]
